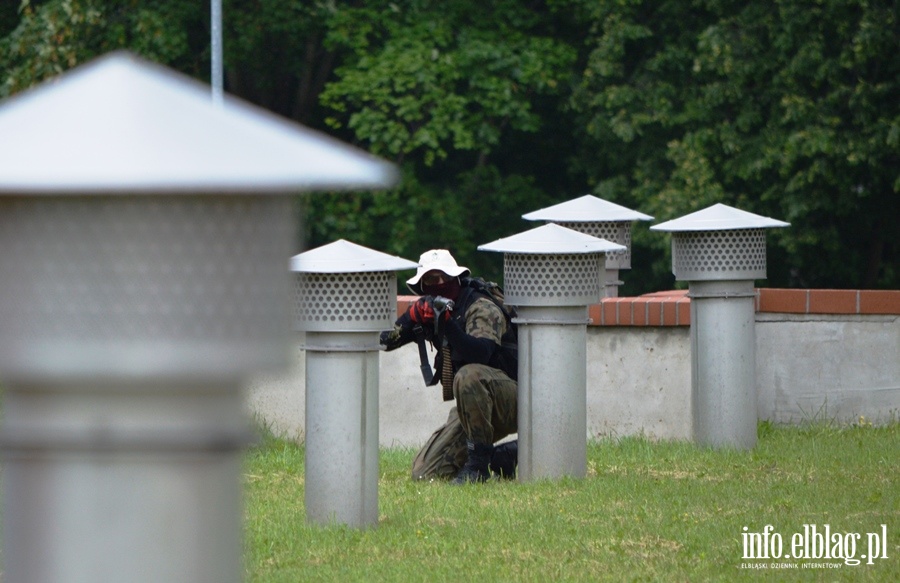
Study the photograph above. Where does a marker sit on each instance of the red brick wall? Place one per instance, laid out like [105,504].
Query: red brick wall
[673,308]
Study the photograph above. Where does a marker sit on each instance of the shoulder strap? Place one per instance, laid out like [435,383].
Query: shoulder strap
[474,288]
[424,365]
[481,287]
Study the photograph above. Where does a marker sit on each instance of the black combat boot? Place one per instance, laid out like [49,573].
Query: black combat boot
[477,466]
[505,460]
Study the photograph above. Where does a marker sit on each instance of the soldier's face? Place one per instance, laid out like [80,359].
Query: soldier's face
[437,283]
[435,277]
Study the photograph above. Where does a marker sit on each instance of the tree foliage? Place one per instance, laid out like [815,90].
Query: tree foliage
[785,108]
[428,83]
[56,35]
[446,93]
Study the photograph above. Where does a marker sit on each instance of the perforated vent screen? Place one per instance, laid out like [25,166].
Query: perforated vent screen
[719,255]
[117,273]
[553,280]
[345,301]
[615,232]
[143,268]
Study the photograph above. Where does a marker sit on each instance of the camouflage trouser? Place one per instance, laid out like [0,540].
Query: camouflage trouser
[485,412]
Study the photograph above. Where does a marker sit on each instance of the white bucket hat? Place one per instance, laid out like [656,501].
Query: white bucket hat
[435,260]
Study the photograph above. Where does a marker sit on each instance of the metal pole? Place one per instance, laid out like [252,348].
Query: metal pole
[723,367]
[216,74]
[117,483]
[612,283]
[552,392]
[346,295]
[552,289]
[139,290]
[342,428]
[721,250]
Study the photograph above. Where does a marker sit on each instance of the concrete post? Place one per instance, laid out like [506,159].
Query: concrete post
[346,295]
[720,251]
[143,277]
[551,274]
[723,362]
[598,218]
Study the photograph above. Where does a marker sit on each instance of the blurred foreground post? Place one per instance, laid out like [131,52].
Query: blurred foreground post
[144,275]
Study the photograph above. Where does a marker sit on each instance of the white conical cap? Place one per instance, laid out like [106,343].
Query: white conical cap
[719,217]
[587,208]
[343,256]
[551,239]
[122,124]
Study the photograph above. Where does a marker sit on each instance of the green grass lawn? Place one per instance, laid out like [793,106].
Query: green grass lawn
[647,511]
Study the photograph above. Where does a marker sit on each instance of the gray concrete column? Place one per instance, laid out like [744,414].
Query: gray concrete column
[723,363]
[552,392]
[551,275]
[342,429]
[346,295]
[720,250]
[136,483]
[144,236]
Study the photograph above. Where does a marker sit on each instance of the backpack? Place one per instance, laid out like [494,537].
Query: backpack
[507,357]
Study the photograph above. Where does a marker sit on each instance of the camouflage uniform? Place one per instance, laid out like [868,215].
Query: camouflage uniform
[486,409]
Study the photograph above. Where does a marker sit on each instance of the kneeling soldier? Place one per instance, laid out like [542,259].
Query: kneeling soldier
[476,363]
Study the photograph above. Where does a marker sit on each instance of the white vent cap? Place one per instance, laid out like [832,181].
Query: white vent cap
[587,208]
[345,257]
[718,217]
[121,124]
[552,239]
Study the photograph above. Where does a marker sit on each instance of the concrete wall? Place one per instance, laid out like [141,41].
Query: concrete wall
[408,410]
[828,367]
[639,379]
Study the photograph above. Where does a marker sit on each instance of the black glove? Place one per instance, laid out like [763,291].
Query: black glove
[401,334]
